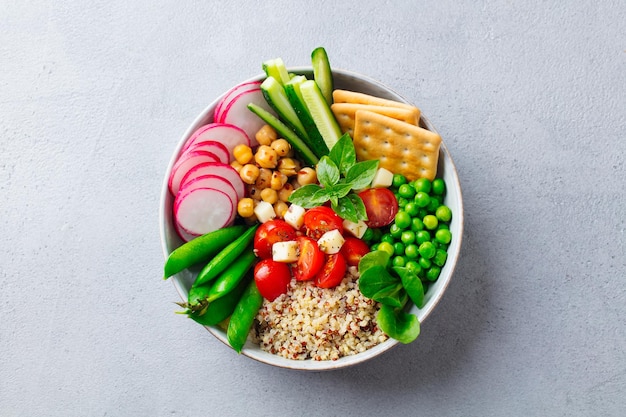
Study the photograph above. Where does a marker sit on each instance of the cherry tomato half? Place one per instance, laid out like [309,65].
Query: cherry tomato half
[269,233]
[332,272]
[353,250]
[272,278]
[381,206]
[310,260]
[320,220]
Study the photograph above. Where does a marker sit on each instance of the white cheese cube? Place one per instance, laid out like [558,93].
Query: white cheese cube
[382,179]
[355,229]
[331,242]
[295,216]
[285,251]
[264,211]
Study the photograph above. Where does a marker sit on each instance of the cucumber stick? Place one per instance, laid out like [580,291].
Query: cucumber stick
[315,142]
[276,68]
[284,131]
[275,95]
[322,73]
[320,112]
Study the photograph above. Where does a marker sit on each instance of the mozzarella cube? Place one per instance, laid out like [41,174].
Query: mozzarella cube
[264,211]
[331,242]
[382,179]
[355,229]
[295,216]
[285,251]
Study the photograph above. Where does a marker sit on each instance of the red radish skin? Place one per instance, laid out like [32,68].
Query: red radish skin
[221,170]
[214,147]
[185,163]
[227,134]
[211,181]
[232,93]
[203,210]
[186,237]
[237,113]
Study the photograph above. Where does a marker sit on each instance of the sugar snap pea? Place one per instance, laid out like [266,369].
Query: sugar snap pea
[243,317]
[225,257]
[233,274]
[220,309]
[200,249]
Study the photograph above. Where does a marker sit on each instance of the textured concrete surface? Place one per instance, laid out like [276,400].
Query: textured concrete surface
[528,96]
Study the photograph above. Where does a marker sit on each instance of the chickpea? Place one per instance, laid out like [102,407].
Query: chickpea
[242,154]
[268,195]
[264,178]
[249,173]
[280,207]
[307,175]
[266,135]
[245,207]
[254,193]
[236,165]
[278,180]
[281,146]
[288,166]
[266,157]
[285,192]
[252,220]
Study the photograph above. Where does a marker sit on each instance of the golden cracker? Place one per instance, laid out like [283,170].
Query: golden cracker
[345,113]
[345,96]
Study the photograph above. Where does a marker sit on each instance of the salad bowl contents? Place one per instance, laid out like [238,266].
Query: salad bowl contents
[311,218]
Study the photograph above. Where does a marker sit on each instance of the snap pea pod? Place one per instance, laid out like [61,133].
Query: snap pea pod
[223,259]
[243,317]
[200,249]
[229,279]
[220,309]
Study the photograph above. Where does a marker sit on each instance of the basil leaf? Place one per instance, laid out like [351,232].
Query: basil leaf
[339,190]
[346,210]
[359,207]
[343,153]
[310,195]
[327,172]
[361,174]
[412,284]
[372,259]
[397,324]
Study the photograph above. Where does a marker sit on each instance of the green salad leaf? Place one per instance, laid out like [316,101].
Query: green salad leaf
[397,324]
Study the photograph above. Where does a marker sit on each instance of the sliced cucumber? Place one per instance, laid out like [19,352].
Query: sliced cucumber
[276,68]
[321,113]
[276,97]
[315,141]
[285,132]
[322,73]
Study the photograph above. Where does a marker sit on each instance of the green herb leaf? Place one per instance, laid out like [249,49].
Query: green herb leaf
[394,296]
[377,280]
[397,324]
[372,259]
[412,284]
[339,190]
[361,174]
[343,153]
[310,195]
[356,201]
[327,172]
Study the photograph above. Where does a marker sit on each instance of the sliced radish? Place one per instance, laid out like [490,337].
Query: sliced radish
[232,93]
[186,162]
[203,210]
[183,234]
[221,170]
[238,114]
[214,147]
[211,181]
[226,134]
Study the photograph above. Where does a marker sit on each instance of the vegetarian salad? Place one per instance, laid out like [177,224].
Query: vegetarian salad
[313,216]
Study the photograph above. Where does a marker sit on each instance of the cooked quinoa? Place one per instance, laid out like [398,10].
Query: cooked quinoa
[317,323]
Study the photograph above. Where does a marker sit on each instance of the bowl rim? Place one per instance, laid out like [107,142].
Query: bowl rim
[206,116]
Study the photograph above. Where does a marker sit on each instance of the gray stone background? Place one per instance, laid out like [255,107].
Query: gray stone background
[528,96]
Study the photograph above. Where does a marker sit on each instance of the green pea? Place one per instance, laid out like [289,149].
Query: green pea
[425,263]
[443,236]
[374,247]
[412,208]
[403,219]
[433,273]
[411,251]
[408,236]
[398,261]
[422,236]
[430,222]
[421,199]
[432,206]
[387,238]
[443,226]
[440,257]
[422,184]
[443,213]
[417,224]
[402,202]
[427,250]
[414,267]
[398,180]
[406,191]
[377,234]
[398,248]
[386,247]
[395,231]
[439,186]
[368,236]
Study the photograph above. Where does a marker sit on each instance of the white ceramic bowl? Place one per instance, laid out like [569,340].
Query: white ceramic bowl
[348,81]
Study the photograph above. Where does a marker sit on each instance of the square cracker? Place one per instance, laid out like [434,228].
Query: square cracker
[400,147]
[345,113]
[345,96]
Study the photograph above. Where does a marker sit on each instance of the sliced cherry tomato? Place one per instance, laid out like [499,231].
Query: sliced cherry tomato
[320,220]
[272,278]
[332,273]
[353,250]
[269,233]
[310,260]
[381,206]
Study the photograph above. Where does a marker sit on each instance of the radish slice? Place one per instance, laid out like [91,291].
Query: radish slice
[185,163]
[213,147]
[183,234]
[226,134]
[238,114]
[232,93]
[203,210]
[221,170]
[211,181]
